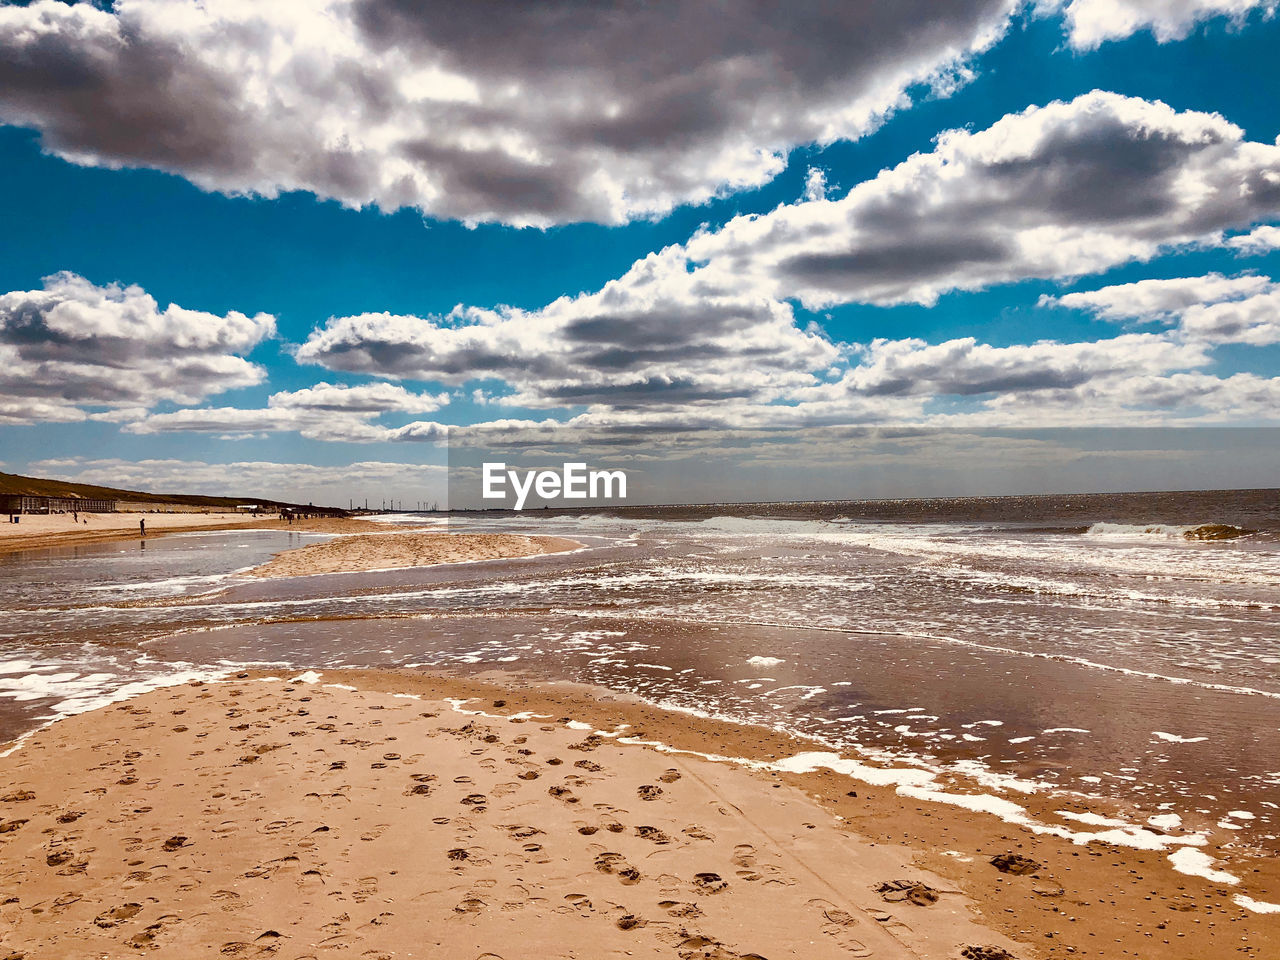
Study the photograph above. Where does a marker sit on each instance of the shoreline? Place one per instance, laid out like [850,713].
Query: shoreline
[1084,900]
[15,540]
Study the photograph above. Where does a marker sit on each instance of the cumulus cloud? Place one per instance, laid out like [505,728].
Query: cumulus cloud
[965,367]
[705,332]
[1260,240]
[1058,191]
[74,344]
[1160,299]
[521,113]
[1210,309]
[325,411]
[658,335]
[1179,399]
[290,482]
[1090,23]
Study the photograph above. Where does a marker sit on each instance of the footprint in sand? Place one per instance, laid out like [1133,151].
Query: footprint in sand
[986,953]
[470,905]
[710,882]
[680,909]
[648,791]
[841,926]
[911,891]
[1015,863]
[744,858]
[577,903]
[669,776]
[616,864]
[652,834]
[117,915]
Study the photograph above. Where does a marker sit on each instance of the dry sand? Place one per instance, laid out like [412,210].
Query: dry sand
[302,820]
[253,818]
[349,554]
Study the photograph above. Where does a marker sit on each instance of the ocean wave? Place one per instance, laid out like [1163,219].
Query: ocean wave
[1165,531]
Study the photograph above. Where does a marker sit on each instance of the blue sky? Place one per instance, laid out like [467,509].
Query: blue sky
[797,291]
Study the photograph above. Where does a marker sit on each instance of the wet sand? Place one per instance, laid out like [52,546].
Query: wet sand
[387,550]
[363,811]
[38,531]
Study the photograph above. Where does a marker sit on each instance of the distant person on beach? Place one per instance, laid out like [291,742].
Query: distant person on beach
[142,527]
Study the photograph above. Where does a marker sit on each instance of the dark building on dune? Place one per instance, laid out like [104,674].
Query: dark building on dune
[18,503]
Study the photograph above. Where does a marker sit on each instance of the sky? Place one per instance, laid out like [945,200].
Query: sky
[328,250]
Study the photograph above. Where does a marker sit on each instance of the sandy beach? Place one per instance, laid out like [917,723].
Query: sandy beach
[259,817]
[399,815]
[387,550]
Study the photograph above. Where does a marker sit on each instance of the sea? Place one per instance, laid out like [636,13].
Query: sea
[1122,648]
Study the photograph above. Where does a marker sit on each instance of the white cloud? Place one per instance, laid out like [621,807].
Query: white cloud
[1260,240]
[965,367]
[74,345]
[702,333]
[1211,309]
[1179,399]
[291,482]
[521,113]
[657,336]
[324,411]
[1157,299]
[1090,23]
[1058,191]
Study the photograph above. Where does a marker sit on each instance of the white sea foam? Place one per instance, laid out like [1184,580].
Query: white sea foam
[23,666]
[1174,738]
[765,661]
[81,693]
[879,776]
[308,676]
[1092,819]
[1197,863]
[1257,906]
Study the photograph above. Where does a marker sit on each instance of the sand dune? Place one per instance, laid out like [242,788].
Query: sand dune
[349,554]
